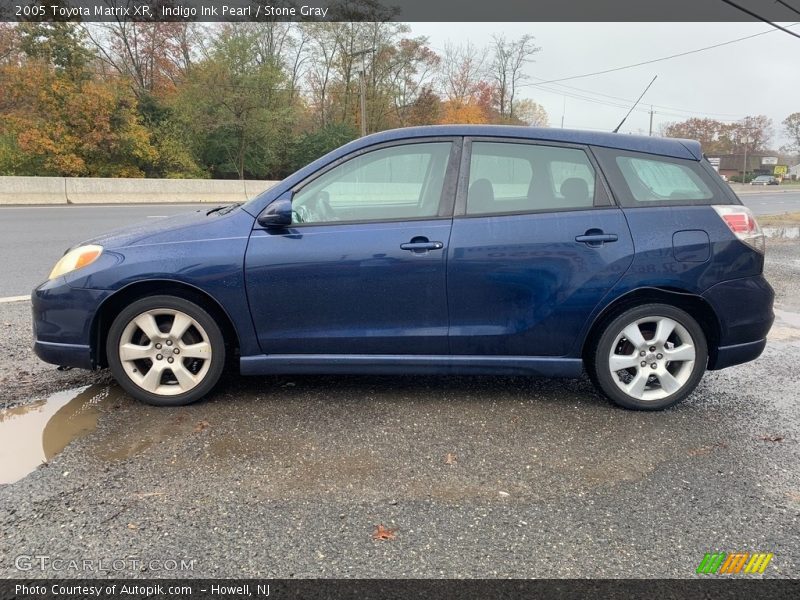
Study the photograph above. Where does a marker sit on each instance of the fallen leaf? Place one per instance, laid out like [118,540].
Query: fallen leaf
[504,494]
[450,459]
[132,526]
[201,425]
[771,438]
[383,533]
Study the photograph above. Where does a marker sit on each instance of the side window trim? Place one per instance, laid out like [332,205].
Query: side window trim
[602,198]
[446,201]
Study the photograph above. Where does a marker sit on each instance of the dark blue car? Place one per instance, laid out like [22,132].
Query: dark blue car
[448,249]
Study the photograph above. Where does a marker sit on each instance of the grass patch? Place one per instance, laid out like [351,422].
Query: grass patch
[778,220]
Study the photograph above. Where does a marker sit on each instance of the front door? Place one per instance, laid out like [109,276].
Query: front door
[362,268]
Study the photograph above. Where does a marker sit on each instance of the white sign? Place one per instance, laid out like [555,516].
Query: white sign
[714,160]
[769,160]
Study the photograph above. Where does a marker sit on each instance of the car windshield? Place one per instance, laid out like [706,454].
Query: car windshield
[763,178]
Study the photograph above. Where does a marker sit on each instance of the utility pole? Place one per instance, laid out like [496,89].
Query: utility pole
[563,112]
[362,85]
[746,139]
[363,100]
[651,120]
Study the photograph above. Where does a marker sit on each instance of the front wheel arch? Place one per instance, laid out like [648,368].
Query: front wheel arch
[123,297]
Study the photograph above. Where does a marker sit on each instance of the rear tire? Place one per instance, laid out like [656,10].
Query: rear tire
[650,357]
[165,351]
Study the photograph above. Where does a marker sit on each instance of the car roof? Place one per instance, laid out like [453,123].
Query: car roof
[673,147]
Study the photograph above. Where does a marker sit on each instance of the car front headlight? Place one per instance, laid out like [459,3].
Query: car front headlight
[76,258]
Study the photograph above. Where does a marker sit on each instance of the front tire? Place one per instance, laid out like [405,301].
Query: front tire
[165,351]
[649,357]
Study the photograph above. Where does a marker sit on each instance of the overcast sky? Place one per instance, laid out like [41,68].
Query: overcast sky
[755,76]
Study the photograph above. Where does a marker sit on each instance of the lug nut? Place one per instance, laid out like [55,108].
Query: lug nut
[659,356]
[652,348]
[176,351]
[159,357]
[158,346]
[642,353]
[644,364]
[169,343]
[170,360]
[653,366]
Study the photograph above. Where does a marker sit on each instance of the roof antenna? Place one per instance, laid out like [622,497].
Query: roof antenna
[634,105]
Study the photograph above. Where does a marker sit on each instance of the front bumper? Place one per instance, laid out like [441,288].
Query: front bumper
[62,323]
[744,310]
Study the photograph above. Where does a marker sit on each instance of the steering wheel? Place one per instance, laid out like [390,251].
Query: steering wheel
[315,210]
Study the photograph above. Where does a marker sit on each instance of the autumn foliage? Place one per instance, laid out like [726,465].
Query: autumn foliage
[258,100]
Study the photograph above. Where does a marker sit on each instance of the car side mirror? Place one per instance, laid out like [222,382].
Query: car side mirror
[278,214]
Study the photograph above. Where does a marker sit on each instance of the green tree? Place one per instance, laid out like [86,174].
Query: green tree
[59,44]
[318,142]
[239,111]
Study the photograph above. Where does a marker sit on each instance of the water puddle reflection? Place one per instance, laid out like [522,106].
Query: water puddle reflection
[34,433]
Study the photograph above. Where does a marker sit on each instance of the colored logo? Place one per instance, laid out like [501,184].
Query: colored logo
[724,563]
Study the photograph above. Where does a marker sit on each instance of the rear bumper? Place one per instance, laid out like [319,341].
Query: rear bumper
[744,310]
[727,356]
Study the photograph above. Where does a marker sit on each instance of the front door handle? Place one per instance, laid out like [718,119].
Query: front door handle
[596,237]
[421,244]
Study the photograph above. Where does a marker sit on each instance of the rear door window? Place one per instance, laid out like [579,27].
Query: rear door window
[507,177]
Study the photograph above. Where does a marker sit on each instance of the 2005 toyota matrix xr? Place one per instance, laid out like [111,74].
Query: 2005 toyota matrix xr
[445,249]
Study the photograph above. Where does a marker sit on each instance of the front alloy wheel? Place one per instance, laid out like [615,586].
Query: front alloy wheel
[165,351]
[650,357]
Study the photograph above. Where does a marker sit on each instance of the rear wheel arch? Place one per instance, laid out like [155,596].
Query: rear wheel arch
[141,289]
[698,308]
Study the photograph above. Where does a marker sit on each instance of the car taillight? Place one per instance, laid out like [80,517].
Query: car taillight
[743,224]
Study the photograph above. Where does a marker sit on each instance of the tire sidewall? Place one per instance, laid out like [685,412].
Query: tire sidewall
[600,363]
[213,331]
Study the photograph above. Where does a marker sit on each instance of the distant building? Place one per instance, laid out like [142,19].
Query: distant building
[794,172]
[731,164]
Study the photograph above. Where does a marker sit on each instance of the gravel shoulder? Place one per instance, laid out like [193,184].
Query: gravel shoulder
[476,477]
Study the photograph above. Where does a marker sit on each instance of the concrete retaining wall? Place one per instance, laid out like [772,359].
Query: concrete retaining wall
[95,190]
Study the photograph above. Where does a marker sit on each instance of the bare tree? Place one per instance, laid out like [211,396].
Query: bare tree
[507,69]
[462,69]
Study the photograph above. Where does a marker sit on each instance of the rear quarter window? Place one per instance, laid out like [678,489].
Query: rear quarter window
[640,179]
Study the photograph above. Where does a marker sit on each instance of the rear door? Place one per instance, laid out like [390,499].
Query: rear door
[361,270]
[535,245]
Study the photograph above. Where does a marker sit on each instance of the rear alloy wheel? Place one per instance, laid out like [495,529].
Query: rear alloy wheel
[165,351]
[650,357]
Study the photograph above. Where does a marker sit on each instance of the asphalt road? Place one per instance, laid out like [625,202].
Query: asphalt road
[32,239]
[772,203]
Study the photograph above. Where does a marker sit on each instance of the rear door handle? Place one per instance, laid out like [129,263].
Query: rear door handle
[596,237]
[421,246]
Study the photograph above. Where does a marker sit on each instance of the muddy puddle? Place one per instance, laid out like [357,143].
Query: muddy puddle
[34,433]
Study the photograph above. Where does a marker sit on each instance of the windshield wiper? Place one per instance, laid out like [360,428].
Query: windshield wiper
[225,208]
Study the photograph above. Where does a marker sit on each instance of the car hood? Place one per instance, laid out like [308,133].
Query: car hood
[198,225]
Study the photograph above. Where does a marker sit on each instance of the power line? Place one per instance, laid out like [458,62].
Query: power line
[760,18]
[655,60]
[628,100]
[791,8]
